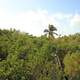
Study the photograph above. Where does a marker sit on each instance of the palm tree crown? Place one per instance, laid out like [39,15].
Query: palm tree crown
[50,31]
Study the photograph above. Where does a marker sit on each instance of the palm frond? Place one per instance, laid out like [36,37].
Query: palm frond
[46,30]
[55,33]
[52,28]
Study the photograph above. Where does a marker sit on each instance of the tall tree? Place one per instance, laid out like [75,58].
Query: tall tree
[50,31]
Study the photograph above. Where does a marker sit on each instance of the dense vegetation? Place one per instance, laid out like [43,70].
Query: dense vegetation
[27,57]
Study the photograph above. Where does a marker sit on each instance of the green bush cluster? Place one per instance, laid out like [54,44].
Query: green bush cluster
[27,57]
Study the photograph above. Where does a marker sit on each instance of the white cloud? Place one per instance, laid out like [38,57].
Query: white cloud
[62,16]
[34,22]
[75,21]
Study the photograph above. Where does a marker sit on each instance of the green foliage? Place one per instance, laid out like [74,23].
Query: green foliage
[50,31]
[26,57]
[72,65]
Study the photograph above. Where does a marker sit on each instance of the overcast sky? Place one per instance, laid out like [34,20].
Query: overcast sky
[33,16]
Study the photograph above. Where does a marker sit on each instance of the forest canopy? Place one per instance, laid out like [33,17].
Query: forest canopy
[27,57]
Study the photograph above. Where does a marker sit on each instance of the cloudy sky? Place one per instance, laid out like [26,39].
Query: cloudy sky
[33,16]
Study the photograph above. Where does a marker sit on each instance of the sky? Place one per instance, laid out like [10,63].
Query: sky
[33,16]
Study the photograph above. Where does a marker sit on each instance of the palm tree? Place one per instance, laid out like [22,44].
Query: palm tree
[50,31]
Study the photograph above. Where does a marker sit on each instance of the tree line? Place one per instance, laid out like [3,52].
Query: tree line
[27,57]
